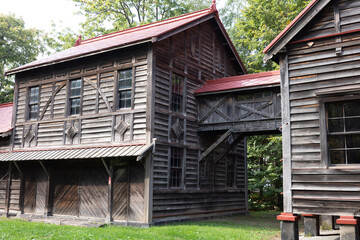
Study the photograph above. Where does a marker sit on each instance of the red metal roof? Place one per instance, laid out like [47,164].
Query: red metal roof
[5,117]
[148,32]
[288,27]
[240,82]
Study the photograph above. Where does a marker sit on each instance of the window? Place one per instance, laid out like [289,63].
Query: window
[125,88]
[177,83]
[176,167]
[343,131]
[75,93]
[230,171]
[34,103]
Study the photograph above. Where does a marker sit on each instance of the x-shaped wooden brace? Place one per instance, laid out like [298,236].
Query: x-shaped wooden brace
[215,109]
[256,110]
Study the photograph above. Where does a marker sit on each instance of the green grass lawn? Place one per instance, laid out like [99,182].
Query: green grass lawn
[259,225]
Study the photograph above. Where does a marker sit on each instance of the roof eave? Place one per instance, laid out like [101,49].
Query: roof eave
[238,89]
[294,28]
[18,70]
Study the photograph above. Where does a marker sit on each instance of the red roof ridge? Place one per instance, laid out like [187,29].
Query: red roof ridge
[2,105]
[246,76]
[148,25]
[292,23]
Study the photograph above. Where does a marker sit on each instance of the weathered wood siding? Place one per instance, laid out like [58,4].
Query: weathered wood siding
[197,54]
[98,112]
[314,66]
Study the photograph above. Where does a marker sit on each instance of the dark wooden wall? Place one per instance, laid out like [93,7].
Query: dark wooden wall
[98,115]
[314,66]
[197,54]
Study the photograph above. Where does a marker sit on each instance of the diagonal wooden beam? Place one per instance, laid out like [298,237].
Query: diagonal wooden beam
[214,109]
[256,110]
[45,170]
[215,144]
[228,148]
[106,166]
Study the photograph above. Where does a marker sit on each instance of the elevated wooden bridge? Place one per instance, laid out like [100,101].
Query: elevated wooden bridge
[238,106]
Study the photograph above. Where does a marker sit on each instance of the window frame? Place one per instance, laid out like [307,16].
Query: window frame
[175,93]
[330,97]
[29,103]
[179,168]
[70,97]
[127,89]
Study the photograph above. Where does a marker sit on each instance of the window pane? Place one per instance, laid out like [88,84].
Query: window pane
[353,141]
[177,84]
[352,124]
[336,142]
[176,103]
[125,99]
[353,156]
[75,88]
[352,108]
[334,109]
[33,113]
[74,106]
[125,78]
[336,125]
[176,167]
[34,94]
[337,157]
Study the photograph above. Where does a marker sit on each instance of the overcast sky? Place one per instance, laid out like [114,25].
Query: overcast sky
[40,13]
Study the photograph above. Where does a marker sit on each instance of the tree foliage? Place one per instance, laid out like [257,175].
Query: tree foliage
[18,46]
[104,16]
[264,172]
[257,24]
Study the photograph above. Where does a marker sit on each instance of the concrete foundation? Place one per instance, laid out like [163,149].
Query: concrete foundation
[289,230]
[311,225]
[349,232]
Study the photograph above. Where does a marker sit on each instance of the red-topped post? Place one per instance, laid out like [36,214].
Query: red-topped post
[349,227]
[289,226]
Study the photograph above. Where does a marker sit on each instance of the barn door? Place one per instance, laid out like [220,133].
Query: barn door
[128,193]
[66,192]
[29,192]
[120,194]
[137,176]
[93,191]
[41,186]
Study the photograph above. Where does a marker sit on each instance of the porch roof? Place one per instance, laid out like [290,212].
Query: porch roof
[138,150]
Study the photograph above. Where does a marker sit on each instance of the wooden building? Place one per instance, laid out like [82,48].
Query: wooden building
[108,129]
[319,56]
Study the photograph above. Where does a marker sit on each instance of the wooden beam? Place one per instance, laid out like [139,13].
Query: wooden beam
[215,144]
[18,168]
[286,132]
[106,166]
[228,148]
[338,50]
[48,209]
[45,170]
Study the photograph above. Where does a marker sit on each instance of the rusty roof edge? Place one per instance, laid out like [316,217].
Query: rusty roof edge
[49,63]
[268,85]
[273,49]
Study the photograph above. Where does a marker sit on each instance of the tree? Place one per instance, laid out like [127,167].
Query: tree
[18,46]
[105,16]
[259,22]
[264,172]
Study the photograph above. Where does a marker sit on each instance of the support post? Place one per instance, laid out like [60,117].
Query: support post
[349,228]
[8,185]
[311,225]
[48,209]
[289,226]
[109,217]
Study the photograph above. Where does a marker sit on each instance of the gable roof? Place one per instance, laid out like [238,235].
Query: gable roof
[242,82]
[151,32]
[5,118]
[305,16]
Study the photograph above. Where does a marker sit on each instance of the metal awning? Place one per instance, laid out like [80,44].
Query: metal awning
[139,150]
